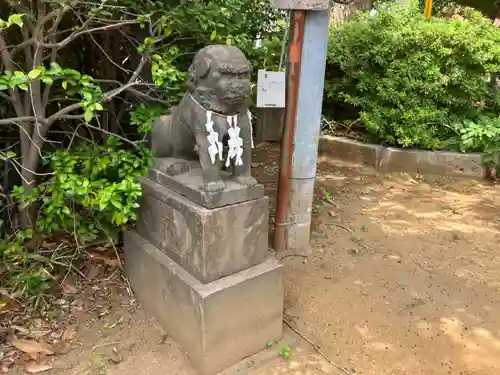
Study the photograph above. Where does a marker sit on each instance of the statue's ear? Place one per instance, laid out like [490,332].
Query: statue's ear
[198,70]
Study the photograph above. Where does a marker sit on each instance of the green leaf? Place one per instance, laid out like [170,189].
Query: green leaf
[47,80]
[35,73]
[116,203]
[102,205]
[88,115]
[10,154]
[16,19]
[18,74]
[168,31]
[99,107]
[64,84]
[213,35]
[87,95]
[23,86]
[55,66]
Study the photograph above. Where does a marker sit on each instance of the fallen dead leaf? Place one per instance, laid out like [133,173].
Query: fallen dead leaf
[36,368]
[33,347]
[110,261]
[69,333]
[40,333]
[22,359]
[28,357]
[68,288]
[5,364]
[8,304]
[49,245]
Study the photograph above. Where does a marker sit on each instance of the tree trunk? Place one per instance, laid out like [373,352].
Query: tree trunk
[30,162]
[27,215]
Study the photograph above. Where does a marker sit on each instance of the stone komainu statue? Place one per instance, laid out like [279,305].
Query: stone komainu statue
[213,115]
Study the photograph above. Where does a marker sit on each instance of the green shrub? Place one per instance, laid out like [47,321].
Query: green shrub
[92,194]
[415,82]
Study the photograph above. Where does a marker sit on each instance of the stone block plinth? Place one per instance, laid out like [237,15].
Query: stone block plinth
[217,324]
[208,243]
[188,184]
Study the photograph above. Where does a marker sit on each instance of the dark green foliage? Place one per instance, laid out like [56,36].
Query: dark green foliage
[93,188]
[91,195]
[416,82]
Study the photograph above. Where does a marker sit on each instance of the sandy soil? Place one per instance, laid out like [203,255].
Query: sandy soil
[403,279]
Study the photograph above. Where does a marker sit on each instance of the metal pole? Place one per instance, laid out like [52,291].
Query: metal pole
[293,76]
[428,8]
[307,129]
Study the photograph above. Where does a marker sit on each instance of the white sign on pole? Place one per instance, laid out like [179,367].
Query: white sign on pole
[271,89]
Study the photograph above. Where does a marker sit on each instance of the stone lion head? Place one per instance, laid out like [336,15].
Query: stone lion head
[219,79]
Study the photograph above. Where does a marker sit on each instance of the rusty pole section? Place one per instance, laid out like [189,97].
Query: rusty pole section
[292,89]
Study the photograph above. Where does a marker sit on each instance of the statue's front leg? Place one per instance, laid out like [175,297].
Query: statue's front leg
[243,173]
[212,181]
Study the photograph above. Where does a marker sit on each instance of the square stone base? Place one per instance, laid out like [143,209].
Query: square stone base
[207,243]
[217,324]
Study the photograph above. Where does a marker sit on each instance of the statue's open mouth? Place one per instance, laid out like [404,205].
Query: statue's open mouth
[234,100]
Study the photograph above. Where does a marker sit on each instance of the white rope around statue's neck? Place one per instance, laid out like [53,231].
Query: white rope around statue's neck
[235,142]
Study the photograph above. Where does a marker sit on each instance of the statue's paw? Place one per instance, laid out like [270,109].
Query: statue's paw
[213,187]
[246,180]
[178,168]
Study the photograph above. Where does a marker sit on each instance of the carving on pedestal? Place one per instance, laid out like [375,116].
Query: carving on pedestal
[211,127]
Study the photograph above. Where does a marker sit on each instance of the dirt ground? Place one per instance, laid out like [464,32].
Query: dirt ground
[403,278]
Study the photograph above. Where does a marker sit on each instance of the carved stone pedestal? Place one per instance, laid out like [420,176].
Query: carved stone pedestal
[188,184]
[204,273]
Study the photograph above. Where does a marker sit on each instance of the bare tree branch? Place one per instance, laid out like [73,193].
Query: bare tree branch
[138,70]
[66,110]
[15,97]
[9,121]
[5,54]
[146,96]
[53,55]
[77,34]
[114,135]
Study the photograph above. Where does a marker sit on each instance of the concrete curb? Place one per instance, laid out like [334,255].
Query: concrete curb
[389,159]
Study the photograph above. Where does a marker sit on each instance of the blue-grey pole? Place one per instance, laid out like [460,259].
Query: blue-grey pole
[307,129]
